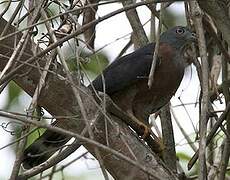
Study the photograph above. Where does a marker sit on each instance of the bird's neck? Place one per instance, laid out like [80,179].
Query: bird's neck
[171,54]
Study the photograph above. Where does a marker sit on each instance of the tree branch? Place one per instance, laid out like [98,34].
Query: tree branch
[58,98]
[197,18]
[219,15]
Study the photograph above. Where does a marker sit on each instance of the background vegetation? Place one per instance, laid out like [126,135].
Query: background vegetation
[199,108]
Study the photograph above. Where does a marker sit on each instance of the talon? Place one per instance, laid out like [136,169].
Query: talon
[156,145]
[146,131]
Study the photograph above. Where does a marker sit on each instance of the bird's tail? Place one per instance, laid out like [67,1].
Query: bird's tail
[43,148]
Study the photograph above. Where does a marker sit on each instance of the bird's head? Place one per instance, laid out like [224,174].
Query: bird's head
[178,37]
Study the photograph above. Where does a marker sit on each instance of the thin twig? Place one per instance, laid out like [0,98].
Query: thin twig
[139,36]
[12,17]
[76,93]
[155,55]
[211,134]
[73,34]
[62,167]
[22,142]
[226,152]
[81,138]
[197,18]
[186,136]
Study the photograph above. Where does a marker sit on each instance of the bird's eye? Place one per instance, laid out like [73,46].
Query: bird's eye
[180,31]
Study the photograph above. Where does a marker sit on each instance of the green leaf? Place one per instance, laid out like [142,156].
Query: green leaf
[92,65]
[13,94]
[184,157]
[96,63]
[37,132]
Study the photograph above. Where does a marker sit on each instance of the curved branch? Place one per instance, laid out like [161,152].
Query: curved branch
[58,99]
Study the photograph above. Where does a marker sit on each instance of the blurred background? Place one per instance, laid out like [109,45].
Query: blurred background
[111,37]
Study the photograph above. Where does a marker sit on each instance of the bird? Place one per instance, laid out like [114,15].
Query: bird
[125,81]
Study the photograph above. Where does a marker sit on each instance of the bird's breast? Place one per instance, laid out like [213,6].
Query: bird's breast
[167,78]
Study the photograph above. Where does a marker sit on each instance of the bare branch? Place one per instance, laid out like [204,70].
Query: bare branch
[169,155]
[197,18]
[57,86]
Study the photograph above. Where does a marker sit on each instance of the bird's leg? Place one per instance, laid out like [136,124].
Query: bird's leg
[146,130]
[142,129]
[154,142]
[138,126]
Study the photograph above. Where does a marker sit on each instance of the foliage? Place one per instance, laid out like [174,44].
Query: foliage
[210,20]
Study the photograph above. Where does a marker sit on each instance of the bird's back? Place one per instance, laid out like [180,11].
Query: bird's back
[126,70]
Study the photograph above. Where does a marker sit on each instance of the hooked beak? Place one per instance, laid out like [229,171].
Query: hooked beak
[192,37]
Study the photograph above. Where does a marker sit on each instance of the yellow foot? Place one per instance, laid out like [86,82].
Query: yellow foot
[156,145]
[146,131]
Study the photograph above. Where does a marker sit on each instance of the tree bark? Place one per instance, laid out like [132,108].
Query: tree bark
[58,99]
